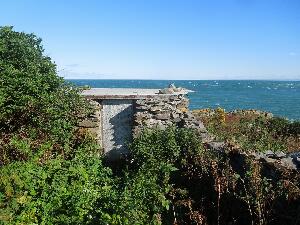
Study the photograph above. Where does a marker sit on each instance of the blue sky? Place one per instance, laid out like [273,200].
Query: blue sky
[165,39]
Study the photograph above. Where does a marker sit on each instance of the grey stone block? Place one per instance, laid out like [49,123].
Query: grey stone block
[162,116]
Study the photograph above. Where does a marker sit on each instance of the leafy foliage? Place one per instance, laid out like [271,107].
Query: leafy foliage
[37,106]
[205,187]
[58,192]
[252,130]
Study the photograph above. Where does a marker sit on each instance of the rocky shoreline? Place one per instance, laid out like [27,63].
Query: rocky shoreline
[172,110]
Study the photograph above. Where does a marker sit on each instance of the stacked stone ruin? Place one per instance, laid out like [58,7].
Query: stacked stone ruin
[168,107]
[163,112]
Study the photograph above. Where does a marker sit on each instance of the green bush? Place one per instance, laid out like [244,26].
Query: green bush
[294,128]
[28,78]
[159,156]
[251,131]
[60,177]
[165,146]
[139,198]
[35,103]
[283,127]
[205,187]
[58,192]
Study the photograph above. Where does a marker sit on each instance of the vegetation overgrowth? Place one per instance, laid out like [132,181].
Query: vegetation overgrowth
[51,172]
[252,130]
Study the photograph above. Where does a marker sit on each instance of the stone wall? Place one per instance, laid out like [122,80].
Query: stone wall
[93,123]
[116,121]
[163,111]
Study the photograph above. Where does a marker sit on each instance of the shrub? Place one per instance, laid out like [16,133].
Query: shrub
[164,146]
[161,156]
[251,130]
[35,103]
[59,178]
[294,128]
[283,127]
[205,187]
[58,192]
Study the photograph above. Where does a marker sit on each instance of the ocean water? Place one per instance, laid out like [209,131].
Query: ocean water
[282,98]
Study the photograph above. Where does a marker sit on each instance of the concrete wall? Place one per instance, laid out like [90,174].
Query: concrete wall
[117,120]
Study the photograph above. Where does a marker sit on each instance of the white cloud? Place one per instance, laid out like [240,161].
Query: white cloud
[292,53]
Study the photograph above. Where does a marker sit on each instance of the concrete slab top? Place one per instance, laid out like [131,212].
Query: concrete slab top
[127,93]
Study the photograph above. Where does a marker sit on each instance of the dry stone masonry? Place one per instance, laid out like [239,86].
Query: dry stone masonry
[161,112]
[121,114]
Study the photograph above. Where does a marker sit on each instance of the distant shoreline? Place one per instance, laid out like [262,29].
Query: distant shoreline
[183,79]
[282,98]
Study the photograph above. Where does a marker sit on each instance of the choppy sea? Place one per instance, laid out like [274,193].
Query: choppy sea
[282,98]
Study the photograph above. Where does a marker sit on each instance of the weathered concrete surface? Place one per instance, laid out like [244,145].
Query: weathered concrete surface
[127,93]
[117,119]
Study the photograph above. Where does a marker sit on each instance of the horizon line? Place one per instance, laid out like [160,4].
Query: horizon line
[182,79]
